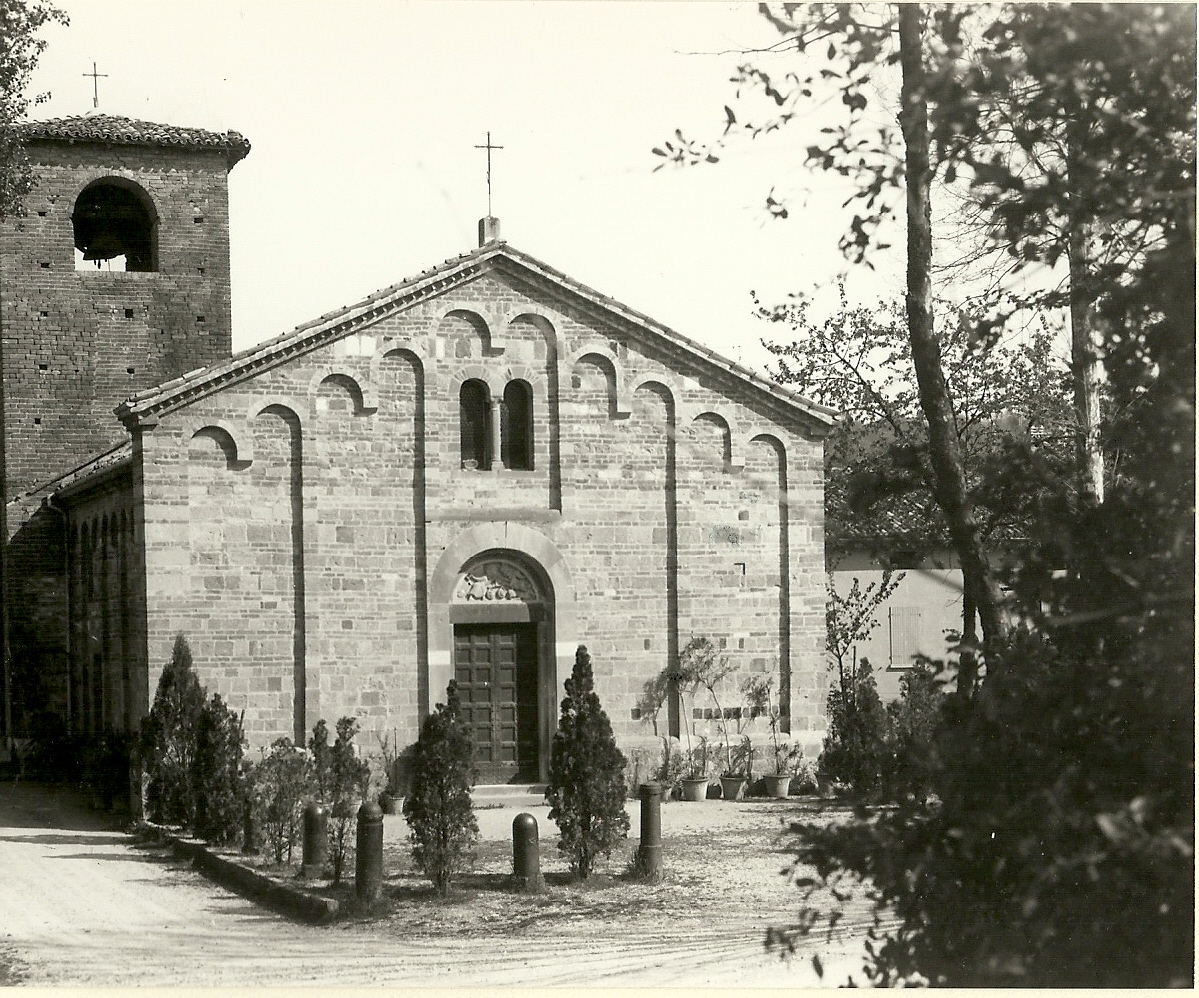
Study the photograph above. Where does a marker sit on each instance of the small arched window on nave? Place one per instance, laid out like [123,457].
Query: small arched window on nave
[116,227]
[516,427]
[474,410]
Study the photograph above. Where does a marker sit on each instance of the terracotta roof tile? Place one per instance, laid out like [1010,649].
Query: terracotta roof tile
[117,130]
[196,384]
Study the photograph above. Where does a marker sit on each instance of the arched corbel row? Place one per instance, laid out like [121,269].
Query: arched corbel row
[537,318]
[485,320]
[390,346]
[733,439]
[368,397]
[619,402]
[298,409]
[238,434]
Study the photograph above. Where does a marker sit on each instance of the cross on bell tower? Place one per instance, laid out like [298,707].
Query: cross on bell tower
[96,85]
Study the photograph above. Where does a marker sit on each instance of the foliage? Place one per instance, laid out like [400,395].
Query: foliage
[20,48]
[911,723]
[1012,419]
[653,698]
[349,779]
[586,790]
[855,745]
[673,768]
[850,619]
[759,696]
[216,773]
[280,783]
[438,808]
[1059,850]
[701,665]
[168,739]
[322,761]
[389,751]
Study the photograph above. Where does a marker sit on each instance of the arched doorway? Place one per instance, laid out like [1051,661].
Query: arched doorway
[501,612]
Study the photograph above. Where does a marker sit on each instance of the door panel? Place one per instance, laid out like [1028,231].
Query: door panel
[495,666]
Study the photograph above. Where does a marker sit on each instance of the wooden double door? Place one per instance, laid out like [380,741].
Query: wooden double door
[495,666]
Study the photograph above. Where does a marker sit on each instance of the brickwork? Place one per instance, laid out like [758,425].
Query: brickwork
[665,500]
[75,343]
[78,342]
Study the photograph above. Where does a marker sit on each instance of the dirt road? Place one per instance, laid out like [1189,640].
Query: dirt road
[80,905]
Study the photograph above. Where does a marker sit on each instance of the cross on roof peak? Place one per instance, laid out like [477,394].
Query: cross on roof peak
[489,147]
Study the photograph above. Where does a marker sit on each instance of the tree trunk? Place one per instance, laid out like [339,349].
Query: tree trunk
[944,448]
[968,647]
[1084,359]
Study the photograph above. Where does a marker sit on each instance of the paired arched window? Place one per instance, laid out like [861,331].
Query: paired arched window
[517,426]
[476,428]
[474,419]
[115,227]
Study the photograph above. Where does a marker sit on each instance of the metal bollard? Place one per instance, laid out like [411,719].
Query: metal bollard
[368,865]
[316,840]
[526,855]
[649,853]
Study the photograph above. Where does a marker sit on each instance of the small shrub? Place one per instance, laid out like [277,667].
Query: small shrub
[169,740]
[216,773]
[912,724]
[438,808]
[349,779]
[855,747]
[586,790]
[281,781]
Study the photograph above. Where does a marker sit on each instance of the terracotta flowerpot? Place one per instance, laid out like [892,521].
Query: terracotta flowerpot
[778,785]
[695,788]
[732,787]
[389,804]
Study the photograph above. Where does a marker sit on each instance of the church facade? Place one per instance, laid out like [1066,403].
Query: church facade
[465,476]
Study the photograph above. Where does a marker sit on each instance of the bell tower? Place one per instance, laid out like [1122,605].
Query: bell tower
[114,280]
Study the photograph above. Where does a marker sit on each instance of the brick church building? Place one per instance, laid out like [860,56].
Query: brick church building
[467,474]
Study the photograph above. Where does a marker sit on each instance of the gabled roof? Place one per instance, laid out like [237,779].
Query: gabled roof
[148,405]
[111,129]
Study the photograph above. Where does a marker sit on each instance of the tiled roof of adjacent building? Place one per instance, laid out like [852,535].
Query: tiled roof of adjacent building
[203,381]
[116,130]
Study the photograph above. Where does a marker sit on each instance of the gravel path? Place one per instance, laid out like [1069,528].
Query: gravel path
[80,905]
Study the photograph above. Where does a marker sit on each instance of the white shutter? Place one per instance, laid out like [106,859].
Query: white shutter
[904,627]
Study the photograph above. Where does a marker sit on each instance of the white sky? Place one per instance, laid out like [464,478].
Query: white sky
[364,116]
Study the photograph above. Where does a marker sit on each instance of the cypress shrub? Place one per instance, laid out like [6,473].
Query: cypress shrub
[169,740]
[438,808]
[586,790]
[348,777]
[216,773]
[855,748]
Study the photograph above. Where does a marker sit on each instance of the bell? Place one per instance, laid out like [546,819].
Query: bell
[104,245]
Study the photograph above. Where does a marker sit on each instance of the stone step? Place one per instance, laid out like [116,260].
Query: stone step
[509,794]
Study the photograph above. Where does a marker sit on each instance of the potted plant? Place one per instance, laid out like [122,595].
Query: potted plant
[758,692]
[695,784]
[708,669]
[390,798]
[684,678]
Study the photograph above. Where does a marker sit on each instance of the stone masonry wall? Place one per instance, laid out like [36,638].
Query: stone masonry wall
[663,502]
